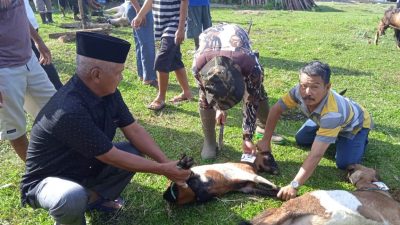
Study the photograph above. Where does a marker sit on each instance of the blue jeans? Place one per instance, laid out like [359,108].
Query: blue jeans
[144,45]
[67,200]
[348,151]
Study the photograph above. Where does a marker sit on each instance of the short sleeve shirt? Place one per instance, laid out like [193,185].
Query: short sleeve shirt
[72,129]
[336,115]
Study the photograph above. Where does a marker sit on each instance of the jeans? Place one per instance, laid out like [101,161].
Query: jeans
[348,151]
[144,45]
[67,200]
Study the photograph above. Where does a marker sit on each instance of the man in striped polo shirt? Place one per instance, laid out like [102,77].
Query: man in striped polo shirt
[332,119]
[169,24]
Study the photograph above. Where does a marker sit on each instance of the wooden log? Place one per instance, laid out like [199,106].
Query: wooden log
[89,25]
[73,33]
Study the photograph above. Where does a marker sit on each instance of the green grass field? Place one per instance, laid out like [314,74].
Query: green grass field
[340,34]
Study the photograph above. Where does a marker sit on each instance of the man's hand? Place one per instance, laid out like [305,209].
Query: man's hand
[263,146]
[138,21]
[1,101]
[287,192]
[179,36]
[220,117]
[175,174]
[248,147]
[45,54]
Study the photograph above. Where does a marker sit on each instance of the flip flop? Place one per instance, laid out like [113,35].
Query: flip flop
[105,205]
[179,98]
[156,105]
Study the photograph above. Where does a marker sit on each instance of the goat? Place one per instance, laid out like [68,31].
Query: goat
[368,205]
[119,18]
[391,18]
[209,181]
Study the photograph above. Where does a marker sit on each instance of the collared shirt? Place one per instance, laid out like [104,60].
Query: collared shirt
[72,129]
[336,115]
[232,41]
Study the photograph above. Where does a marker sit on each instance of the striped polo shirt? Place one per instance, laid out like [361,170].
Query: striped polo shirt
[336,115]
[166,17]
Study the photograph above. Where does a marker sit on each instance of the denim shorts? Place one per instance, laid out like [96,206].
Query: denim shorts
[169,56]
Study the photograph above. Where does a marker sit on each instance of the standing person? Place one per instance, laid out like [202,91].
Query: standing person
[72,164]
[227,70]
[336,120]
[50,68]
[169,20]
[73,4]
[199,19]
[24,85]
[144,45]
[45,10]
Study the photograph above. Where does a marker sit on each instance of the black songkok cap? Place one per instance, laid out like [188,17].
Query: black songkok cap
[102,47]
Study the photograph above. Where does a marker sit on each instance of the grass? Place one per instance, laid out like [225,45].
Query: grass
[337,33]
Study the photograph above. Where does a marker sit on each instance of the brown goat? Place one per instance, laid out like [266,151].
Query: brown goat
[209,181]
[391,18]
[368,205]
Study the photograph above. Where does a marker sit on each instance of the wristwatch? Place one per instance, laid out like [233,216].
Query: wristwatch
[294,184]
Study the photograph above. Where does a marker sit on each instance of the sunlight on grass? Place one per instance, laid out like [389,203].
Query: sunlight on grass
[340,34]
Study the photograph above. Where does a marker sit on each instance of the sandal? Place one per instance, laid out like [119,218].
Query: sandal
[179,98]
[156,105]
[105,205]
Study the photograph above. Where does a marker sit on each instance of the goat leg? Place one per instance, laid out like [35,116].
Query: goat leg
[376,37]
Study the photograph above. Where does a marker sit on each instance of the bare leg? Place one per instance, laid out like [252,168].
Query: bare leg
[20,146]
[183,81]
[163,78]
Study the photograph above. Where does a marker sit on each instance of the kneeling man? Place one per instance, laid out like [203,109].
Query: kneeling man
[332,119]
[72,164]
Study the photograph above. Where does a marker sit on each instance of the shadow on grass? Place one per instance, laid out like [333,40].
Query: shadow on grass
[324,8]
[290,65]
[145,205]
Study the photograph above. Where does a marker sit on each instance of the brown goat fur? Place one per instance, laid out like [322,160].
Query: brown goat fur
[391,18]
[368,205]
[209,181]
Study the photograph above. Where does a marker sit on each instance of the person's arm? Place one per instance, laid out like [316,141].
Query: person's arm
[273,117]
[251,99]
[134,163]
[318,150]
[139,137]
[139,19]
[142,140]
[45,54]
[135,4]
[183,11]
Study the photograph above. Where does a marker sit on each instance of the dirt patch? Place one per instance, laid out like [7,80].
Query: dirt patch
[251,12]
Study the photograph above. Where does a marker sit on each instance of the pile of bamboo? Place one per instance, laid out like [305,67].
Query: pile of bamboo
[284,4]
[297,4]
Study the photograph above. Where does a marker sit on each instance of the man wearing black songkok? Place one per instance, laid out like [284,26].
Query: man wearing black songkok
[72,164]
